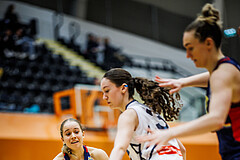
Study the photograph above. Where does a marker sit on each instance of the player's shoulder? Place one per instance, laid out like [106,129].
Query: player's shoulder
[60,156]
[225,72]
[97,153]
[228,68]
[136,105]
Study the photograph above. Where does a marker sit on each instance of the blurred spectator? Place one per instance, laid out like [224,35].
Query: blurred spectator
[32,28]
[108,46]
[76,47]
[17,39]
[92,45]
[24,43]
[6,40]
[112,56]
[17,44]
[109,50]
[11,18]
[99,52]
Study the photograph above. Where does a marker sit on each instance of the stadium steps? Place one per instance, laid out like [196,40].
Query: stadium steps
[73,58]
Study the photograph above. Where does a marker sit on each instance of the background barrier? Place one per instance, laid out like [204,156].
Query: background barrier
[36,136]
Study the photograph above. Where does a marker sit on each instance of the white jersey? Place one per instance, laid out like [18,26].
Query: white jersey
[148,119]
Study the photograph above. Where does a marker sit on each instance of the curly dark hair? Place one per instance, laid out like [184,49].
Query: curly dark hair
[156,98]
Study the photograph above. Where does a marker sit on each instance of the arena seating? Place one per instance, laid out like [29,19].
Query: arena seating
[27,82]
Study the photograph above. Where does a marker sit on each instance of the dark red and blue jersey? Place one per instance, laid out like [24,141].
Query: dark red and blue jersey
[229,135]
[86,155]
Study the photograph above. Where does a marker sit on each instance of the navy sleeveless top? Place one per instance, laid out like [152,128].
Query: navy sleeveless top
[229,135]
[86,155]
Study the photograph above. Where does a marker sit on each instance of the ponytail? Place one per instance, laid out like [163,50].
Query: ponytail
[158,98]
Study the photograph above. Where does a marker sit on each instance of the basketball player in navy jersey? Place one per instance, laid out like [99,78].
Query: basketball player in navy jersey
[202,40]
[73,149]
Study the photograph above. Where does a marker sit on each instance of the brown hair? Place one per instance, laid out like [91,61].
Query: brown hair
[155,97]
[207,24]
[65,148]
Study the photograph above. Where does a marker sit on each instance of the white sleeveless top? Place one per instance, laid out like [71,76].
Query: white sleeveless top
[149,119]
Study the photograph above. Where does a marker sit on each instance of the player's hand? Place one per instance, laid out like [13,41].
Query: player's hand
[156,137]
[174,84]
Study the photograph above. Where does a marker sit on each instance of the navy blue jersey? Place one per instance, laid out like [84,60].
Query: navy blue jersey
[229,135]
[86,155]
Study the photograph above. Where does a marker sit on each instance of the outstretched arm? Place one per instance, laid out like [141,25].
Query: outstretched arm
[218,110]
[199,80]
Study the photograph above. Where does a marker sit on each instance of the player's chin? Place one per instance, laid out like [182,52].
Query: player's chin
[113,107]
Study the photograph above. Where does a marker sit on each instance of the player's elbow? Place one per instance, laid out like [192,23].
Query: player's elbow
[219,122]
[117,153]
[120,149]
